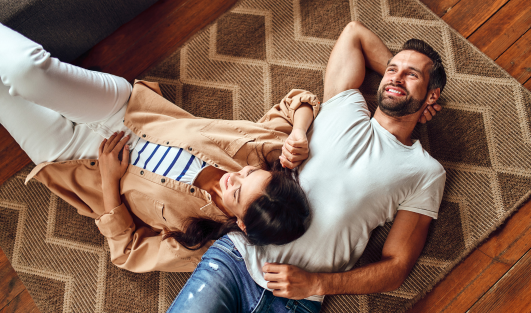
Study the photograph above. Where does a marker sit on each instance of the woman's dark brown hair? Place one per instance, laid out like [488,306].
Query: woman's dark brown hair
[278,216]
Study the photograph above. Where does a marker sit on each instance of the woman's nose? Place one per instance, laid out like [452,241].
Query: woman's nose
[236,178]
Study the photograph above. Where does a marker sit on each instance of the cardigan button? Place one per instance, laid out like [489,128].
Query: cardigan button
[215,165]
[92,163]
[163,180]
[189,148]
[141,172]
[144,136]
[192,189]
[167,142]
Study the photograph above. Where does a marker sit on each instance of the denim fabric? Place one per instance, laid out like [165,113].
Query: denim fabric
[221,283]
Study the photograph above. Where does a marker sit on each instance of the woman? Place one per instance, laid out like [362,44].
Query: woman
[203,177]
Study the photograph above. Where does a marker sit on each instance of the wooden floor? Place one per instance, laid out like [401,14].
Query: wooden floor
[496,277]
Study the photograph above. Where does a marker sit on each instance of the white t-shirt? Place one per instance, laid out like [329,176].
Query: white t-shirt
[356,177]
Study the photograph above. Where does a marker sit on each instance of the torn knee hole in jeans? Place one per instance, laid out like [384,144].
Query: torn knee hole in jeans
[214,266]
[191,295]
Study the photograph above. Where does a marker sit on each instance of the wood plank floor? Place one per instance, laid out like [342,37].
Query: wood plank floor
[494,278]
[14,297]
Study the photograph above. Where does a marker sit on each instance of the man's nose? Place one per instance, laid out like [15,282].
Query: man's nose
[397,80]
[399,77]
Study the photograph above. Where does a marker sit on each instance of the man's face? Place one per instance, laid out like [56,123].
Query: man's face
[404,87]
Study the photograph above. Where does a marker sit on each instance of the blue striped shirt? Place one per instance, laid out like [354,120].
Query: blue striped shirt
[171,162]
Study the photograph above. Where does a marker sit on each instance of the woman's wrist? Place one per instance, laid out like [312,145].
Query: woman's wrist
[111,194]
[110,182]
[303,117]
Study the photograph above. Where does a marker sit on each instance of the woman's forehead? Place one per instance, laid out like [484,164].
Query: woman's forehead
[255,184]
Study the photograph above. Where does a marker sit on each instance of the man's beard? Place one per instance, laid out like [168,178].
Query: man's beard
[397,108]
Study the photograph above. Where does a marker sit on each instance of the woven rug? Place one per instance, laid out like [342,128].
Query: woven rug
[236,69]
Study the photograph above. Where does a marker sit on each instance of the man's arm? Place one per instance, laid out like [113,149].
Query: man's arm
[400,253]
[355,48]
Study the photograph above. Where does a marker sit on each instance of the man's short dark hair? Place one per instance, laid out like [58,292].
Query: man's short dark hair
[437,73]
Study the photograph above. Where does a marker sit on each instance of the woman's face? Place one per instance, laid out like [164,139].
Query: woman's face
[239,189]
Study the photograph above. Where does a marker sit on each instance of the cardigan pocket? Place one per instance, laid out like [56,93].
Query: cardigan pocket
[227,136]
[147,209]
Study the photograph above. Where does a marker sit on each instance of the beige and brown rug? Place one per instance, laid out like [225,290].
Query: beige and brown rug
[236,69]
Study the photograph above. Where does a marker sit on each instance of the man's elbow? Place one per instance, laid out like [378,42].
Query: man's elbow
[395,284]
[400,273]
[354,27]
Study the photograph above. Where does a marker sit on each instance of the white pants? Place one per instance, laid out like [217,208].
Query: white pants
[54,110]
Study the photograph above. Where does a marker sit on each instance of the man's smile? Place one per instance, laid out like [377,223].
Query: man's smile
[395,91]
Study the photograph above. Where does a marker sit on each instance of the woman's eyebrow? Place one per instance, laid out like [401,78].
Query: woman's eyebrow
[240,189]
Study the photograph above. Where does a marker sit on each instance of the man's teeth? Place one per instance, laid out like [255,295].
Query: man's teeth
[394,91]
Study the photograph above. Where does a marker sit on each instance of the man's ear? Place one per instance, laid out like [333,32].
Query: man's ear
[433,95]
[241,225]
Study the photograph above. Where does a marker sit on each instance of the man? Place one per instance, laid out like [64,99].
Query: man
[360,173]
[410,75]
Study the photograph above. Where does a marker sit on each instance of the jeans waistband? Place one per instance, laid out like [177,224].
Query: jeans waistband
[226,244]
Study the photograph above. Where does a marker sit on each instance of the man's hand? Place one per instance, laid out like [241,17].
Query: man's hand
[429,113]
[289,281]
[295,149]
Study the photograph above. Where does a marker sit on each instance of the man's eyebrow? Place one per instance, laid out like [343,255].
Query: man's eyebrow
[409,67]
[415,69]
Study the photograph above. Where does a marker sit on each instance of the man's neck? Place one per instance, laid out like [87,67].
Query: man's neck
[400,127]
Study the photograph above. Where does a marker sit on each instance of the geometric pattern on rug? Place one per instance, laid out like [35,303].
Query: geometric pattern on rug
[237,68]
[64,260]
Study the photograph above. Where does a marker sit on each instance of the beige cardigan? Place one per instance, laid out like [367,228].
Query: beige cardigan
[152,203]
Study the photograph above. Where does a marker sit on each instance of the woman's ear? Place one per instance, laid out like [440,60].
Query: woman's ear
[241,225]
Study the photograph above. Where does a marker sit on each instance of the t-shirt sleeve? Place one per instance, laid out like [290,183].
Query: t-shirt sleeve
[349,97]
[427,199]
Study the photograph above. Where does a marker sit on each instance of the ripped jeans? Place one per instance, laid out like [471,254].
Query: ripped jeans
[221,283]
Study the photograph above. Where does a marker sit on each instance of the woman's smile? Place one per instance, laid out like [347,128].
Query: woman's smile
[224,182]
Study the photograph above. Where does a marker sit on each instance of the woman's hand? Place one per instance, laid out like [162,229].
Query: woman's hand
[295,149]
[111,167]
